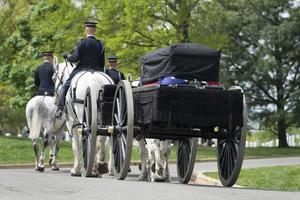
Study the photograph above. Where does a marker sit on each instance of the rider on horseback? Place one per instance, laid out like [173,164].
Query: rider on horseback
[43,75]
[89,54]
[112,69]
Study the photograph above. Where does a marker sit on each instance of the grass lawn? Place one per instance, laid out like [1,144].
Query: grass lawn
[19,150]
[285,178]
[15,150]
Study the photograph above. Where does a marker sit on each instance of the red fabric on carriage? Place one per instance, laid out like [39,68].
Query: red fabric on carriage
[151,84]
[213,83]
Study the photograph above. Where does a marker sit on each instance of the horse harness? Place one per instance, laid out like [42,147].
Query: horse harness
[60,78]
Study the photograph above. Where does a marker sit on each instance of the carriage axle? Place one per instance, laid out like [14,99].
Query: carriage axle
[163,133]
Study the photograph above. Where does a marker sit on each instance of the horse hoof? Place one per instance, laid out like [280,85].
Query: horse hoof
[55,168]
[157,178]
[41,169]
[110,174]
[75,172]
[102,168]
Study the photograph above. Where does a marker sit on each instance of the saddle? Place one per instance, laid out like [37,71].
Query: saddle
[74,87]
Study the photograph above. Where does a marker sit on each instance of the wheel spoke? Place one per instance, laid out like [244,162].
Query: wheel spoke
[229,162]
[222,142]
[118,110]
[124,118]
[124,108]
[222,147]
[236,141]
[121,158]
[121,100]
[223,161]
[233,155]
[116,118]
[123,145]
[234,149]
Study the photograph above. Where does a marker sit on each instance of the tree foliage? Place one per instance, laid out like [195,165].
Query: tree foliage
[263,55]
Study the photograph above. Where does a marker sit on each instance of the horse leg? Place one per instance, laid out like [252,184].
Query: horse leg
[166,164]
[54,148]
[101,155]
[41,166]
[153,164]
[36,151]
[76,146]
[143,155]
[159,160]
[110,164]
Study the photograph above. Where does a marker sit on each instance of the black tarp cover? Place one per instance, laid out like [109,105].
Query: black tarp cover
[184,60]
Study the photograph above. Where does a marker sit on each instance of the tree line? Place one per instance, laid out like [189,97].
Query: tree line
[259,40]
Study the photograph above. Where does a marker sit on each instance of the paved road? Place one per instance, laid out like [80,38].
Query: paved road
[27,184]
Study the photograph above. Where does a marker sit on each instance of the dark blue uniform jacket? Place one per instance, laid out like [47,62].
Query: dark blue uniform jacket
[89,54]
[115,75]
[43,79]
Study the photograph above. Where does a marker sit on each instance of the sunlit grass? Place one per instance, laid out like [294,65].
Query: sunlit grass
[286,178]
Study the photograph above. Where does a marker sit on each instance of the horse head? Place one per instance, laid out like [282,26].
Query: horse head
[62,72]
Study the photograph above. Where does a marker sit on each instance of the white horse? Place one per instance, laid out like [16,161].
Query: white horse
[154,154]
[39,112]
[87,84]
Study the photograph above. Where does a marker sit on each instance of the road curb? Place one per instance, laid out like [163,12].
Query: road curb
[199,178]
[30,165]
[134,163]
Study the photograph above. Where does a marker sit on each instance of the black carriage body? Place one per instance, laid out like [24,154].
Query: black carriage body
[187,108]
[105,104]
[181,113]
[185,60]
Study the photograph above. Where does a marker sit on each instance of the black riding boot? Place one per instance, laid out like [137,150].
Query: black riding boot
[60,103]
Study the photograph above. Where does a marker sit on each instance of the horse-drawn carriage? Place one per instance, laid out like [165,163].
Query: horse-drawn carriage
[178,98]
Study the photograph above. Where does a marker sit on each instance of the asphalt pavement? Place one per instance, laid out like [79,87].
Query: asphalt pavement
[25,184]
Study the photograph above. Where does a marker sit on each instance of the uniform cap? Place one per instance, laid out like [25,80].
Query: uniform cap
[90,24]
[112,58]
[47,53]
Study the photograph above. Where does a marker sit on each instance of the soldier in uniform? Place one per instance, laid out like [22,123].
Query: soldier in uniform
[88,54]
[43,75]
[112,69]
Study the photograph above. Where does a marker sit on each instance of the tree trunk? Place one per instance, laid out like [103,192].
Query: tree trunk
[282,132]
[281,125]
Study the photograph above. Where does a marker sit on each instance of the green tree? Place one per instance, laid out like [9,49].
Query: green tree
[29,28]
[263,56]
[133,28]
[43,25]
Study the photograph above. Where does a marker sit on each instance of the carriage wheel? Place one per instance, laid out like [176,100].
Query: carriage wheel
[231,151]
[123,136]
[89,132]
[186,155]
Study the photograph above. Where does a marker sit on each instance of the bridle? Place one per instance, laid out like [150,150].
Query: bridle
[59,77]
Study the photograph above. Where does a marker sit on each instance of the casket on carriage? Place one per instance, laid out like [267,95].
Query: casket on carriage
[178,98]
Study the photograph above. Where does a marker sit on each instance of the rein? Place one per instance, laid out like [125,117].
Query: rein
[60,78]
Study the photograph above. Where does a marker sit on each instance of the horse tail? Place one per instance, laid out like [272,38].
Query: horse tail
[33,119]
